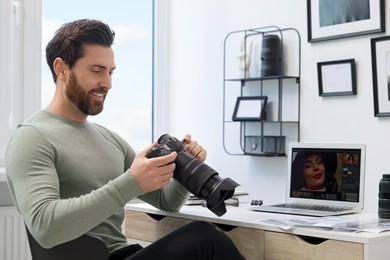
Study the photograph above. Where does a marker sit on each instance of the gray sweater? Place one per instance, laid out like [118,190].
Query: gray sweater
[69,178]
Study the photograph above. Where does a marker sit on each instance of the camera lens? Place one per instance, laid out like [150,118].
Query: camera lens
[384,197]
[196,176]
[203,181]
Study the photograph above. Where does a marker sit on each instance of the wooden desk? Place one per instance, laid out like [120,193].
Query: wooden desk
[257,240]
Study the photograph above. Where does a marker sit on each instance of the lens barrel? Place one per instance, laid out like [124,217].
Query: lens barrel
[204,182]
[384,197]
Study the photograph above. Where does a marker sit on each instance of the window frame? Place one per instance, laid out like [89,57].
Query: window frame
[160,68]
[20,93]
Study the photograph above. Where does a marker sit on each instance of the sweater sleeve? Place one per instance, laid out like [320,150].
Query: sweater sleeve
[34,184]
[171,198]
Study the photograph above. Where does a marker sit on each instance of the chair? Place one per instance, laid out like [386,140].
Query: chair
[86,247]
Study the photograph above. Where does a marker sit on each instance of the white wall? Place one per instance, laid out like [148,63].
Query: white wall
[196,31]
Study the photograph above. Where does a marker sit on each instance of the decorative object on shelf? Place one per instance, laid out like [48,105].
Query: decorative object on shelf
[334,19]
[250,108]
[380,55]
[337,78]
[271,55]
[265,145]
[244,59]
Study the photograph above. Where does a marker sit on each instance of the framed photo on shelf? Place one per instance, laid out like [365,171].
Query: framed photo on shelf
[337,78]
[334,19]
[380,55]
[250,108]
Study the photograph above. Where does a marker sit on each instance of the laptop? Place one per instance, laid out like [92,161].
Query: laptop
[323,179]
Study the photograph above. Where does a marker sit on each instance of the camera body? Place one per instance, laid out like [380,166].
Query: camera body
[196,176]
[166,145]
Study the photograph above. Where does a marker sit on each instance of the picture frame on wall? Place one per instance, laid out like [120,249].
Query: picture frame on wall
[337,78]
[334,19]
[380,55]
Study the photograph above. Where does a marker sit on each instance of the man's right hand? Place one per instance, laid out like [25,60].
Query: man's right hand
[153,173]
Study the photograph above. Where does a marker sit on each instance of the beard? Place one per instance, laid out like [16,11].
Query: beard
[82,99]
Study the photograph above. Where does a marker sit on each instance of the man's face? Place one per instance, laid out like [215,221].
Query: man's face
[90,79]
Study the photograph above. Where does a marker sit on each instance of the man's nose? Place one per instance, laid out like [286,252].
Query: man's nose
[106,81]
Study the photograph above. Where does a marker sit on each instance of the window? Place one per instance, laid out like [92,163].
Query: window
[128,107]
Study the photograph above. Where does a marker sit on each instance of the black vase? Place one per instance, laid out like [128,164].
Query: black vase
[271,56]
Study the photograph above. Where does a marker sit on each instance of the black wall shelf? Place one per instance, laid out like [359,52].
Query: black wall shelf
[267,137]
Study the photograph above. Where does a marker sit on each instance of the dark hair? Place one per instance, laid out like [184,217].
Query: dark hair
[69,39]
[330,163]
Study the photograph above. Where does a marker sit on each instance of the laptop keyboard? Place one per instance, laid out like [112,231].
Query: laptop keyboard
[311,207]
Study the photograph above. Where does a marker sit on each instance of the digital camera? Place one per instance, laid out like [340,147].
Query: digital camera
[196,176]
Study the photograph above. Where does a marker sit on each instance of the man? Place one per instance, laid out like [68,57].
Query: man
[69,177]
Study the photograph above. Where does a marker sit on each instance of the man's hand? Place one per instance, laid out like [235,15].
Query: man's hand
[153,173]
[194,148]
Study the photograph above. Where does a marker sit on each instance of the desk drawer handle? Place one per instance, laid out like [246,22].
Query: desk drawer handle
[313,240]
[155,216]
[224,227]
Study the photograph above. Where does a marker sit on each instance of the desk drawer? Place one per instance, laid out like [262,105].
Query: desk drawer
[281,246]
[150,227]
[249,241]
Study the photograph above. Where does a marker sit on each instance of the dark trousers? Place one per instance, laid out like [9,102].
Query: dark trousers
[196,240]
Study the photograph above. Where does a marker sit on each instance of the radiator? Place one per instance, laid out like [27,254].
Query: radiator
[13,238]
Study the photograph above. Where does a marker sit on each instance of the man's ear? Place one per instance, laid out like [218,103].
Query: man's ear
[59,68]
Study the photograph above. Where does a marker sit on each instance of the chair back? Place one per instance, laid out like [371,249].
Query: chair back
[86,247]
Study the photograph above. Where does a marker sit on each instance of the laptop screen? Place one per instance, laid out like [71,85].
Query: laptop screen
[326,172]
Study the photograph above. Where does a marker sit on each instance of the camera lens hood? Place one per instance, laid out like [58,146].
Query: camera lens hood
[222,190]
